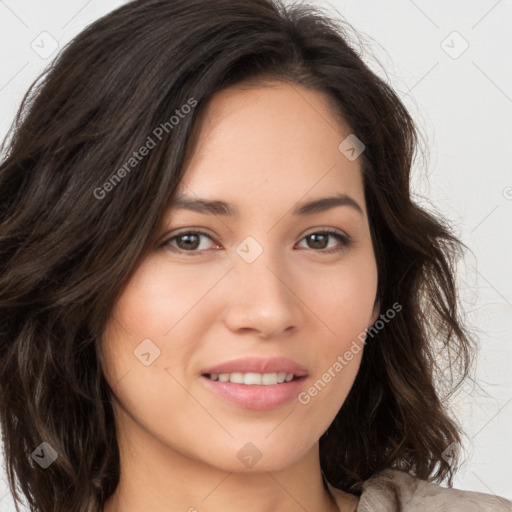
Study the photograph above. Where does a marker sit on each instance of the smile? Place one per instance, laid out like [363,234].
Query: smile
[271,395]
[253,379]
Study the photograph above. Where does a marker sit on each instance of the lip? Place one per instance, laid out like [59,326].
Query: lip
[258,365]
[255,396]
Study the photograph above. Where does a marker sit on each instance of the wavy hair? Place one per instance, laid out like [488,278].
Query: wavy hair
[66,251]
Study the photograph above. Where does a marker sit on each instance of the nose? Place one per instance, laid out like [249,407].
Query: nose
[261,297]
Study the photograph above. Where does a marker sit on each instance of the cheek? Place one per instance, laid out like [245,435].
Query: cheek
[150,324]
[157,313]
[345,311]
[344,300]
[157,297]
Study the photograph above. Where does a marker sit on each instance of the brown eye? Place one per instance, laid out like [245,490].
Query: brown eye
[188,241]
[319,241]
[196,242]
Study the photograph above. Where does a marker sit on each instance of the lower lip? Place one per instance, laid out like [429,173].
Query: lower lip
[257,397]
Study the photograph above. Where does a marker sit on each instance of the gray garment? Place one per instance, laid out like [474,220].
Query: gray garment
[396,491]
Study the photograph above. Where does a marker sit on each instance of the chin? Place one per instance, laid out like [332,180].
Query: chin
[257,454]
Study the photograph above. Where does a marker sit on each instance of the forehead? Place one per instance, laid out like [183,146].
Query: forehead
[270,141]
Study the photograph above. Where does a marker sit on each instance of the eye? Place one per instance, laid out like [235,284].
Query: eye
[191,242]
[188,241]
[319,240]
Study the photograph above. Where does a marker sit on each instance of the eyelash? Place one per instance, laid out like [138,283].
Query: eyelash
[346,241]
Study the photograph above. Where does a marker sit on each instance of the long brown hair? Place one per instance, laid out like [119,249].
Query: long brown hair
[73,227]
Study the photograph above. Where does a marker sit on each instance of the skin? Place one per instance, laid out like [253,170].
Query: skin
[264,149]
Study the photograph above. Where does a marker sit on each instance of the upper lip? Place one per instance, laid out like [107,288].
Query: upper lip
[258,365]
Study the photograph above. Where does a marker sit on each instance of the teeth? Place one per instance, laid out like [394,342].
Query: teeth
[251,379]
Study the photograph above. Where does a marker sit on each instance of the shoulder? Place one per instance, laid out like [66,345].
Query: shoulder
[391,491]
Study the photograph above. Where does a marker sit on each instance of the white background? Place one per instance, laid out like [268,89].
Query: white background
[463,105]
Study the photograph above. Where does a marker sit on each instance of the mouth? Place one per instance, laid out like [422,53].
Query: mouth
[256,383]
[271,395]
[256,370]
[254,379]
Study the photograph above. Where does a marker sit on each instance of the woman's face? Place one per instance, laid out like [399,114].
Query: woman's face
[260,284]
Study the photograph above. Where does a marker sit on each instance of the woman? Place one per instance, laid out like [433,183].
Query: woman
[217,292]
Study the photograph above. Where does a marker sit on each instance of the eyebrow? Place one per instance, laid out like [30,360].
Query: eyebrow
[217,207]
